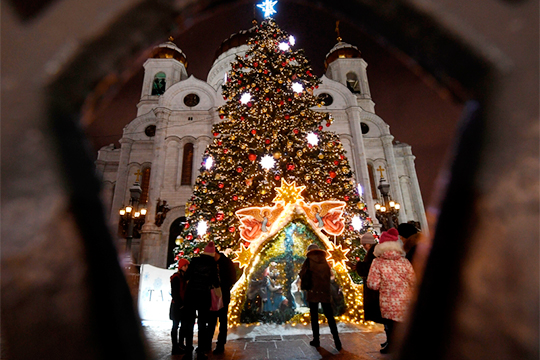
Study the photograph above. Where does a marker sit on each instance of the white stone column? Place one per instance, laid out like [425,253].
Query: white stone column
[359,159]
[121,180]
[151,246]
[391,172]
[416,196]
[198,150]
[180,164]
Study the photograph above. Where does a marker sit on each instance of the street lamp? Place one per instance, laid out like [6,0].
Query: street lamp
[387,212]
[131,217]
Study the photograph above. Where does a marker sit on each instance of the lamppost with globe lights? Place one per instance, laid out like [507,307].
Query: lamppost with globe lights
[387,212]
[131,217]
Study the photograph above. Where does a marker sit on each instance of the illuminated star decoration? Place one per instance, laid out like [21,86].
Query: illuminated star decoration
[267,7]
[208,163]
[356,223]
[283,46]
[312,139]
[267,162]
[288,193]
[202,227]
[297,87]
[338,255]
[245,98]
[243,256]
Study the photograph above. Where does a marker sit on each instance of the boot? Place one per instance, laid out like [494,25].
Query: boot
[315,342]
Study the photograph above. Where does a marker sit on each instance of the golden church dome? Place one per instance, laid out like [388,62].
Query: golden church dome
[341,50]
[235,40]
[169,50]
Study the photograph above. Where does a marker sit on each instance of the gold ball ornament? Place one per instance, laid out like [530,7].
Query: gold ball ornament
[321,156]
[277,155]
[179,240]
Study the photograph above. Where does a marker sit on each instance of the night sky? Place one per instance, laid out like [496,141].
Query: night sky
[418,111]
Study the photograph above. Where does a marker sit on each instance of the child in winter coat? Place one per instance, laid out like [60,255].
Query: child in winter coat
[393,275]
[178,290]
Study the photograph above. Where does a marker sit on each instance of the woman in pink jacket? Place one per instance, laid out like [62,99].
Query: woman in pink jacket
[393,275]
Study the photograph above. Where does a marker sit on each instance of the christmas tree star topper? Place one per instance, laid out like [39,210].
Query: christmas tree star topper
[267,7]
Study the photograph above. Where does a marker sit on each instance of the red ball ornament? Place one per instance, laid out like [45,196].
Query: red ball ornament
[277,177]
[336,162]
[221,116]
[296,131]
[177,257]
[329,180]
[290,167]
[239,169]
[189,237]
[252,157]
[213,219]
[320,127]
[255,64]
[225,151]
[197,250]
[332,174]
[265,71]
[346,198]
[231,229]
[242,118]
[220,216]
[181,253]
[235,197]
[253,131]
[287,117]
[216,134]
[342,157]
[246,244]
[267,141]
[221,185]
[357,258]
[351,228]
[328,124]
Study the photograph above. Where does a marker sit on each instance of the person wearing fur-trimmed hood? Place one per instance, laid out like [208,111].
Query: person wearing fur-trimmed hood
[393,275]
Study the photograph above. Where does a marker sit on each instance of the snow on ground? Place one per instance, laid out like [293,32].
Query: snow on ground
[163,328]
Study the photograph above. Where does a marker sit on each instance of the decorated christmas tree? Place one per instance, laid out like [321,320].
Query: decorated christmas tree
[271,154]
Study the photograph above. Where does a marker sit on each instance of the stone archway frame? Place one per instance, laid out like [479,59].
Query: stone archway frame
[173,214]
[353,293]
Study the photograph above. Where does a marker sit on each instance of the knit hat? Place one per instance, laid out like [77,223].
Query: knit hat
[367,238]
[312,247]
[182,262]
[210,249]
[407,230]
[390,235]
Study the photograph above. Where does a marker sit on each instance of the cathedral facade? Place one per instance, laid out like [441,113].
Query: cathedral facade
[162,148]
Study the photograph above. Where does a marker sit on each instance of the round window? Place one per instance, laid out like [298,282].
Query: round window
[150,130]
[191,100]
[326,99]
[364,127]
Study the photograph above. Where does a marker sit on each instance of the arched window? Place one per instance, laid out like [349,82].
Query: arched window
[187,164]
[374,195]
[158,86]
[145,186]
[352,82]
[176,228]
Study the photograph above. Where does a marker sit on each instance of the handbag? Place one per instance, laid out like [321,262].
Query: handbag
[217,299]
[306,283]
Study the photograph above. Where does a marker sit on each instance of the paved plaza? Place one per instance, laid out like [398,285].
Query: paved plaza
[280,342]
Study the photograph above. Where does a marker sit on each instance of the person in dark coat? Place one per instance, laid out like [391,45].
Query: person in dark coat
[410,236]
[227,278]
[372,311]
[202,275]
[318,291]
[176,312]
